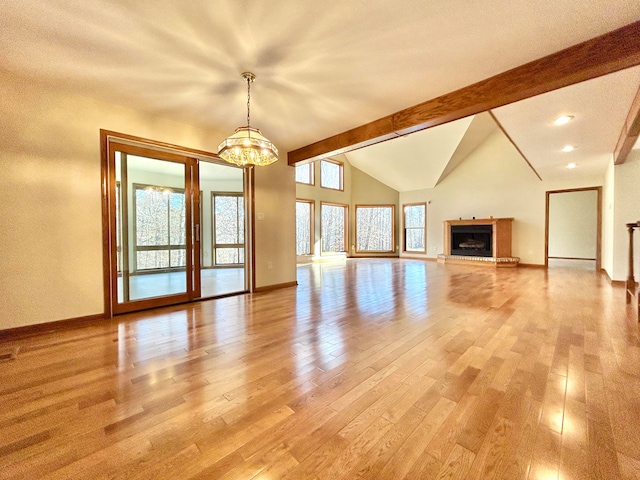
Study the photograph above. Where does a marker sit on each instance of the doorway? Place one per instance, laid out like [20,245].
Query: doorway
[574,228]
[163,228]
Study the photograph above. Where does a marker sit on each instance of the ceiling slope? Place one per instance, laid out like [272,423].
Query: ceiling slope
[412,162]
[479,130]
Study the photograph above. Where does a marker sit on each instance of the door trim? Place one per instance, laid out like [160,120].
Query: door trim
[598,227]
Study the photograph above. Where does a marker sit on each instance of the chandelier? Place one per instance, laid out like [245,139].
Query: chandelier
[247,146]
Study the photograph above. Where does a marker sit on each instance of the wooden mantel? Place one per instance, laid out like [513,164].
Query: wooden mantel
[501,238]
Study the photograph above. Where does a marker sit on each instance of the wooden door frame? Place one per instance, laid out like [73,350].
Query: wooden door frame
[598,227]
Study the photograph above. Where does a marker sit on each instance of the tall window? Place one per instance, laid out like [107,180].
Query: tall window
[304,227]
[160,216]
[304,174]
[334,227]
[331,174]
[228,229]
[414,227]
[375,228]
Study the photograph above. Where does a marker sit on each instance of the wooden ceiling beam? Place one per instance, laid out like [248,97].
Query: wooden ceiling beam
[629,134]
[599,56]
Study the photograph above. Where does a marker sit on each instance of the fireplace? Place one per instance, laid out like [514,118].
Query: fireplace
[483,241]
[472,240]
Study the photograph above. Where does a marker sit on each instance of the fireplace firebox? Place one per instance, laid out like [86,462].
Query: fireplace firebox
[474,240]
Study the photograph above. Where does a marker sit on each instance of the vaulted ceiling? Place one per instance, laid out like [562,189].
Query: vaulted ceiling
[325,67]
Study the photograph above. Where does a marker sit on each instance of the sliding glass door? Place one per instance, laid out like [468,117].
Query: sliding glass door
[154,212]
[176,228]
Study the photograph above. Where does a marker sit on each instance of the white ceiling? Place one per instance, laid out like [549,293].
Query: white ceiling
[322,67]
[599,107]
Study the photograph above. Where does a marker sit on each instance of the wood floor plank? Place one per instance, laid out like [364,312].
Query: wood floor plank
[369,369]
[457,465]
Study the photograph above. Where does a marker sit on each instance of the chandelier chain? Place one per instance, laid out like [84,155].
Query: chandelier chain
[248,101]
[247,146]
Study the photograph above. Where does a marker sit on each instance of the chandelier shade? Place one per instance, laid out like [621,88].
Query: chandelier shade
[247,146]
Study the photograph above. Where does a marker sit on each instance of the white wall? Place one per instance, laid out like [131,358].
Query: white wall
[275,203]
[608,200]
[626,210]
[573,224]
[50,199]
[495,181]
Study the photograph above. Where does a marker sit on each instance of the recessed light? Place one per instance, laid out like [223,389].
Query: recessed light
[568,148]
[571,165]
[563,120]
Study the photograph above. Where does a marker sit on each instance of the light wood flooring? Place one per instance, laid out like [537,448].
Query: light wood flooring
[374,368]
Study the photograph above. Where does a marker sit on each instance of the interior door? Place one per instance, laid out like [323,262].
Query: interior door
[155,226]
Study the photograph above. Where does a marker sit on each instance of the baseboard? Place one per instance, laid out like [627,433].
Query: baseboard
[532,265]
[615,283]
[277,286]
[48,327]
[571,258]
[418,257]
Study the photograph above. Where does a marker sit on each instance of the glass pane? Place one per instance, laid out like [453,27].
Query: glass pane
[177,219]
[178,258]
[330,175]
[303,173]
[118,230]
[374,227]
[152,259]
[228,256]
[414,216]
[227,221]
[303,228]
[240,220]
[333,234]
[152,218]
[223,220]
[414,239]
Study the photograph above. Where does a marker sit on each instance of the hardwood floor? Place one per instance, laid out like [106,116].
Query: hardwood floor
[376,369]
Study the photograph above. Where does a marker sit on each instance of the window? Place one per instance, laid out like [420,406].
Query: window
[375,228]
[228,229]
[304,227]
[160,215]
[333,227]
[414,227]
[304,174]
[331,174]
